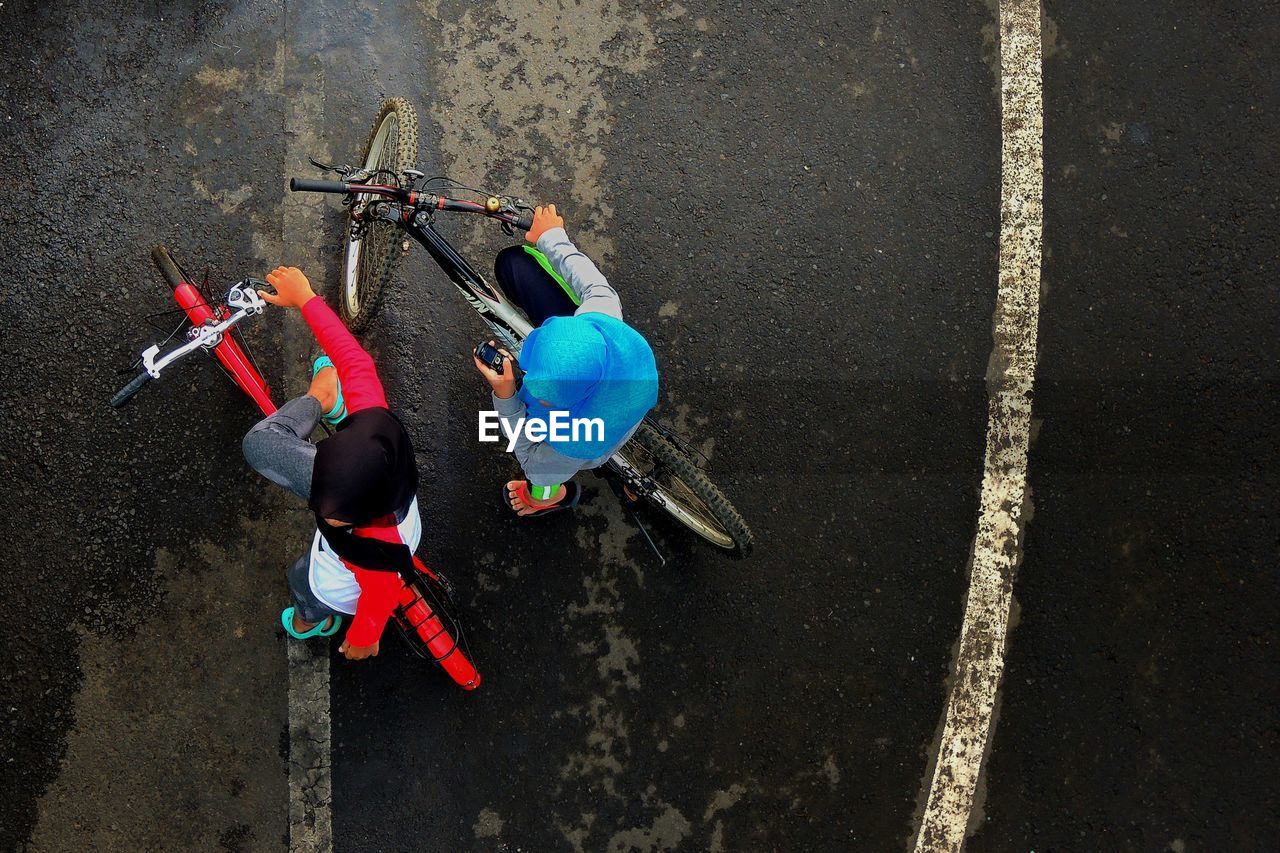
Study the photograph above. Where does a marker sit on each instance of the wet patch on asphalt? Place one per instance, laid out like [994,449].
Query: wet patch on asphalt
[167,718]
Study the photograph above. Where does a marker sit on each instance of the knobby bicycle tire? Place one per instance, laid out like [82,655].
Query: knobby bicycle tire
[378,262]
[677,464]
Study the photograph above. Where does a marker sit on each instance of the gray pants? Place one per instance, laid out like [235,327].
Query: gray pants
[280,449]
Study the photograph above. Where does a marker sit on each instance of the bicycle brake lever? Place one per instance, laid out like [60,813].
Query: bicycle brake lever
[149,360]
[325,167]
[244,296]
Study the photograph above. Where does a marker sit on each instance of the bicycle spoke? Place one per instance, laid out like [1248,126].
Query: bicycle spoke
[244,347]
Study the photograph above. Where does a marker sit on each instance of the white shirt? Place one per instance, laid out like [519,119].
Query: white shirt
[333,583]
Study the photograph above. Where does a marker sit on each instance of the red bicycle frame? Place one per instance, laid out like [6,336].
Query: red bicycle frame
[416,614]
[227,351]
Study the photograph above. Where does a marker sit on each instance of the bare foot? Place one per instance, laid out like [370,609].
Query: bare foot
[324,387]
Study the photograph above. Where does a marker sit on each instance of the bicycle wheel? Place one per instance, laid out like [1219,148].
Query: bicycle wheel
[164,262]
[427,621]
[370,260]
[684,491]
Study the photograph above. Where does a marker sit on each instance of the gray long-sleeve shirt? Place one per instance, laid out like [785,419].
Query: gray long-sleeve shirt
[542,464]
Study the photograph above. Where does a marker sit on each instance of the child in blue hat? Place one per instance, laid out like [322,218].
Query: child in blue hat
[588,377]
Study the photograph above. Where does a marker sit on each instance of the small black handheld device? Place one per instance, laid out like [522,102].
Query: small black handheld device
[488,354]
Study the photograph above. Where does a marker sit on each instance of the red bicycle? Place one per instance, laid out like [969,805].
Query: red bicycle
[426,616]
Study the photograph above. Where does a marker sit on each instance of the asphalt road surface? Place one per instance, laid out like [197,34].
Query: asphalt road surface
[800,209]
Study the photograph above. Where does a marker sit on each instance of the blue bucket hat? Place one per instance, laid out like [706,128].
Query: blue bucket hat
[591,366]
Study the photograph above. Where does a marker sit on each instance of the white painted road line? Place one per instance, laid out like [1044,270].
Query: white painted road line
[310,779]
[997,548]
[302,235]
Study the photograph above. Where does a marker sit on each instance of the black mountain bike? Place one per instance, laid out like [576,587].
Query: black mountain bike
[385,196]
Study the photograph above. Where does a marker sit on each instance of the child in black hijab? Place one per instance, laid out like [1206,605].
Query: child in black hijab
[361,483]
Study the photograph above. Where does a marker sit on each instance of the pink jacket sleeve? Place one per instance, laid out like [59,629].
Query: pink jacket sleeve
[361,387]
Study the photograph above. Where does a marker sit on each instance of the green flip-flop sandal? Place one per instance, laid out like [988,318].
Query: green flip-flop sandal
[338,413]
[286,619]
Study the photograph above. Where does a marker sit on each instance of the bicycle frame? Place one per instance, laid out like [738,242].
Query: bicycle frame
[507,322]
[227,350]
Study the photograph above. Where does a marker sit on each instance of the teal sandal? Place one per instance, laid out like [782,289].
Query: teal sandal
[338,413]
[286,619]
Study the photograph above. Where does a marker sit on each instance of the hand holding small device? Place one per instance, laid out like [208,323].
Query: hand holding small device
[492,364]
[491,355]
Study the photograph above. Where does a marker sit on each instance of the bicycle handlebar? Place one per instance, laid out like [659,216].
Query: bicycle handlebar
[521,218]
[126,393]
[302,185]
[243,297]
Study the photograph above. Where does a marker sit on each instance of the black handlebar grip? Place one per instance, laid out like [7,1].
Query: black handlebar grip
[302,185]
[126,393]
[525,222]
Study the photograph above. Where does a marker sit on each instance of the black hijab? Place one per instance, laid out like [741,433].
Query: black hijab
[366,471]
